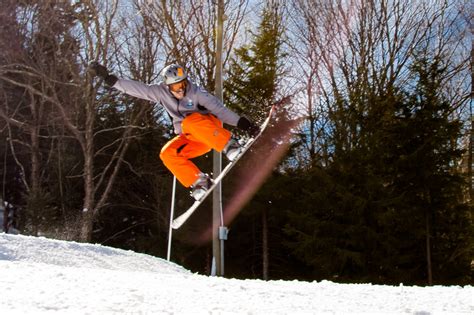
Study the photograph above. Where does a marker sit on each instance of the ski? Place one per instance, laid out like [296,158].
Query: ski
[180,220]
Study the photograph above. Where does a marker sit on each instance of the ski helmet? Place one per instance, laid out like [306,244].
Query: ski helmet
[173,73]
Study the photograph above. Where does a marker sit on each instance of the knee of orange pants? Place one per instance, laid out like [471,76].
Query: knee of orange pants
[176,154]
[185,171]
[207,129]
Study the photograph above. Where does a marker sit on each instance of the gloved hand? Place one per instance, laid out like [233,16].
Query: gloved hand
[249,127]
[101,71]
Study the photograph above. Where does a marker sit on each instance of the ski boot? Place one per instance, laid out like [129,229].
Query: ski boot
[200,186]
[232,149]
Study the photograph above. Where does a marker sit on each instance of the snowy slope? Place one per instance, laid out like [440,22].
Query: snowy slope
[42,276]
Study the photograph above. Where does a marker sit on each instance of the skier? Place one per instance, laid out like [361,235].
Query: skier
[197,119]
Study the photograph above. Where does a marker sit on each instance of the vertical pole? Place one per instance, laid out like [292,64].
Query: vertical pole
[170,233]
[217,194]
[223,231]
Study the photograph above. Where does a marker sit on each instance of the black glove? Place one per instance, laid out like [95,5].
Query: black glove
[101,71]
[249,127]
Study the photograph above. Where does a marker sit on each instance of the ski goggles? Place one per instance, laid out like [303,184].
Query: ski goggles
[175,87]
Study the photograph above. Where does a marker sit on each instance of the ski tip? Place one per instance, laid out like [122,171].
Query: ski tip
[176,224]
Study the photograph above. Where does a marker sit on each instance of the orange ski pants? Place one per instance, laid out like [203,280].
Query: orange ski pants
[201,133]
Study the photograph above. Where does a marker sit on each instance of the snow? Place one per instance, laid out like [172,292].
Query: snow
[44,276]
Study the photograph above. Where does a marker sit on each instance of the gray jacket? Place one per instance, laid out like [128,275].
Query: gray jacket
[195,100]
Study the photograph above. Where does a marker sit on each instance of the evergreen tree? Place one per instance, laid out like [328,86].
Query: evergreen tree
[388,208]
[422,167]
[252,87]
[256,70]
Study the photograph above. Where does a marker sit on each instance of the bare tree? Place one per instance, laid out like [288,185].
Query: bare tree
[343,44]
[190,32]
[74,99]
[32,54]
[101,39]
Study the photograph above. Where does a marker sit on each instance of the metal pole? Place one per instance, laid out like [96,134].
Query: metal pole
[170,233]
[217,194]
[223,231]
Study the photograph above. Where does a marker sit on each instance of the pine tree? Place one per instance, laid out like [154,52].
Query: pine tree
[423,168]
[389,206]
[256,70]
[251,88]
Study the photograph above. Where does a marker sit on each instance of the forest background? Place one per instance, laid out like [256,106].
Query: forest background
[377,183]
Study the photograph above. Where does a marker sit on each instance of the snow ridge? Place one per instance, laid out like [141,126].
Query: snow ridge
[71,254]
[43,276]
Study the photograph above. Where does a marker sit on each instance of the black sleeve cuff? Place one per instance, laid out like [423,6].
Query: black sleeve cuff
[243,123]
[110,80]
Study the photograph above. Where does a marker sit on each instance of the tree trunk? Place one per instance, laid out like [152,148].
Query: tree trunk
[469,161]
[88,212]
[428,249]
[265,260]
[87,224]
[471,138]
[34,193]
